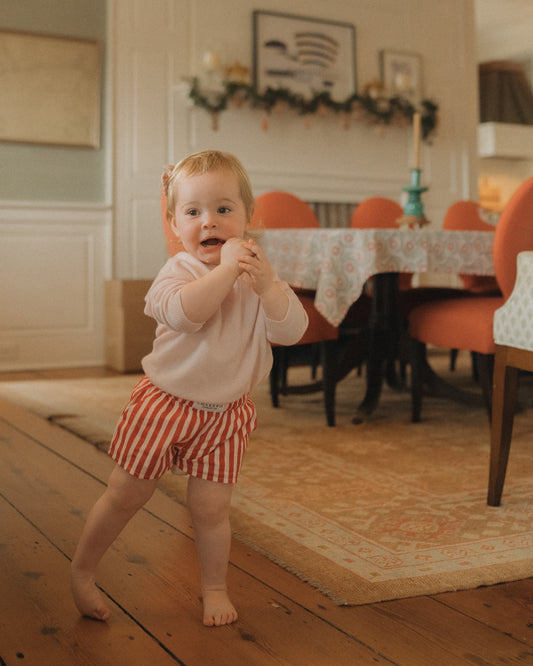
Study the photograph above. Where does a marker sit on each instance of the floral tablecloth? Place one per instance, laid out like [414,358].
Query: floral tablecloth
[337,262]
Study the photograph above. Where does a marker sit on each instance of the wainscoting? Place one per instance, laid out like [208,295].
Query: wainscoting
[54,260]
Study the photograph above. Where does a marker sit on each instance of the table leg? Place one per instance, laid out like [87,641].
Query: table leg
[383,336]
[424,377]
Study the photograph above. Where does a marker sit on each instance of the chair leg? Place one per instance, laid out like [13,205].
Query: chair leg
[485,370]
[390,374]
[475,369]
[283,368]
[503,407]
[453,358]
[329,377]
[417,354]
[275,375]
[328,358]
[315,360]
[403,356]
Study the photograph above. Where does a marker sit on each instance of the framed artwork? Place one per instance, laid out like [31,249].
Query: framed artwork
[401,74]
[50,90]
[306,56]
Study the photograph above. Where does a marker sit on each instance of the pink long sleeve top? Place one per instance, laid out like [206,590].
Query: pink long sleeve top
[224,358]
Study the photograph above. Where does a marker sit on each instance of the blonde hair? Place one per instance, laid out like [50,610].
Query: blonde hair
[203,162]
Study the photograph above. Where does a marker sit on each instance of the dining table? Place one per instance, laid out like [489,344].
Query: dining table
[337,262]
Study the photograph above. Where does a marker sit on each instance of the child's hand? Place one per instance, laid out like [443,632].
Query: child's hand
[232,251]
[256,265]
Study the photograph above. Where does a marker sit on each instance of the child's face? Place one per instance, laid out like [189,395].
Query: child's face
[209,210]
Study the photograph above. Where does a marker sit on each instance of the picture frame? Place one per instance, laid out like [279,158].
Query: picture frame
[50,90]
[306,56]
[401,74]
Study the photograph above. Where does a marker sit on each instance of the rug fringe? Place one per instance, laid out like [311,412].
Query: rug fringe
[292,570]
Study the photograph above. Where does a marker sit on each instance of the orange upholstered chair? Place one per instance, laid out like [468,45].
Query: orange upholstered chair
[277,210]
[380,213]
[467,323]
[461,216]
[376,213]
[173,243]
[282,210]
[464,216]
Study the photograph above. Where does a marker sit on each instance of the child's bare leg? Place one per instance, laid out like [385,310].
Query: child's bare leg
[209,504]
[123,497]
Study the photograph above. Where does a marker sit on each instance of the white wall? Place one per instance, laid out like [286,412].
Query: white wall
[504,29]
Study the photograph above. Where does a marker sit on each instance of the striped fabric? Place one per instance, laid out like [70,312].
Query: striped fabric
[158,432]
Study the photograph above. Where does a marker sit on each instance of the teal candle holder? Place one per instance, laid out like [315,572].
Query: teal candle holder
[413,212]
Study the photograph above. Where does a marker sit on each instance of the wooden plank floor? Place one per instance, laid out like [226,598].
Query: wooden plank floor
[49,479]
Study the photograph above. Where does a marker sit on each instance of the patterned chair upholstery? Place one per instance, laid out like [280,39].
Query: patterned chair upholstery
[513,337]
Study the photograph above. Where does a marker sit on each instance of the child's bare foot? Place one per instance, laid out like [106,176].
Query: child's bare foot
[87,597]
[218,609]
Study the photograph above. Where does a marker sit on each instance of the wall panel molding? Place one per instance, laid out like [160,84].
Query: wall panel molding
[54,260]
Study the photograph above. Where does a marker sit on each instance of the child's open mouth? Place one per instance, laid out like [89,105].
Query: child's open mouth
[208,242]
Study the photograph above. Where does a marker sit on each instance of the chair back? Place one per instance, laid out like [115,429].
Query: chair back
[173,243]
[282,210]
[514,234]
[376,212]
[380,213]
[464,216]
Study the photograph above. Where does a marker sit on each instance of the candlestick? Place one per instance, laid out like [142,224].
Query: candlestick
[416,139]
[413,212]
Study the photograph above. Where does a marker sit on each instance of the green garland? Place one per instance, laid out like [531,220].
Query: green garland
[380,110]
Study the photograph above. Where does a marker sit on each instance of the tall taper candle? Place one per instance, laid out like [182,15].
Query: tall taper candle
[416,139]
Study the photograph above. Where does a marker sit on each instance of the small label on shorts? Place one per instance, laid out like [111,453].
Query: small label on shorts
[209,406]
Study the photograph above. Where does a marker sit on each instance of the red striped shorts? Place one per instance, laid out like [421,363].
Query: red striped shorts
[158,432]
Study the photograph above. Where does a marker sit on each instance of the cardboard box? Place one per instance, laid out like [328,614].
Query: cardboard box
[129,333]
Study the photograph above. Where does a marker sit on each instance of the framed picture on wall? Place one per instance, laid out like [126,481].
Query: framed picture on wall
[401,73]
[50,90]
[303,55]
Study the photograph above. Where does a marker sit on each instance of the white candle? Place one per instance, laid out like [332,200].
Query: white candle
[416,139]
[211,61]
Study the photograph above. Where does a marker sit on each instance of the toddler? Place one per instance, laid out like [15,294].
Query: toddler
[218,305]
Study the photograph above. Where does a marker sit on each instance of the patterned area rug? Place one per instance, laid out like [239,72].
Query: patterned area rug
[383,510]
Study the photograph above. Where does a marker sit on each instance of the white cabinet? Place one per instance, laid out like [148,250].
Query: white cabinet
[505,140]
